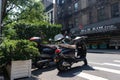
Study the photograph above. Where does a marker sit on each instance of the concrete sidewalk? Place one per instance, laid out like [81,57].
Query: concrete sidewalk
[112,51]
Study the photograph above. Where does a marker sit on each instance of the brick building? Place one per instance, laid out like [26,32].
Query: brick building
[50,10]
[97,19]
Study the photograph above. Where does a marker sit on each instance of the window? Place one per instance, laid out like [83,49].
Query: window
[76,7]
[101,14]
[76,22]
[58,12]
[100,0]
[69,1]
[115,10]
[91,2]
[69,10]
[84,19]
[48,15]
[84,4]
[51,17]
[90,17]
[63,1]
[58,1]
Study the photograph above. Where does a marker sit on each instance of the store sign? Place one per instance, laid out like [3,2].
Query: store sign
[98,29]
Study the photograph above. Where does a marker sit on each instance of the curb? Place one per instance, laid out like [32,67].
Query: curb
[104,51]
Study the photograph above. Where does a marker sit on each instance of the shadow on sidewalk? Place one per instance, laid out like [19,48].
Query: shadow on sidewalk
[71,72]
[37,72]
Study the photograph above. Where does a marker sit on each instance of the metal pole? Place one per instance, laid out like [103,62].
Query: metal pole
[0,20]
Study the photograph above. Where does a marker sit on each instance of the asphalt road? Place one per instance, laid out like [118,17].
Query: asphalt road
[101,66]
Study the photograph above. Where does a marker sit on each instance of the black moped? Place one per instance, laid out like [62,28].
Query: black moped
[66,55]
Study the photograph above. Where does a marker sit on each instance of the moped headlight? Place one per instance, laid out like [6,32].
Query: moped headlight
[56,60]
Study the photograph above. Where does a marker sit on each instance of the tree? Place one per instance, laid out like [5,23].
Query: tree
[25,18]
[17,10]
[33,14]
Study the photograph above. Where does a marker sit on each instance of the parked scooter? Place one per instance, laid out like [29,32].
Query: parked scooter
[47,53]
[67,55]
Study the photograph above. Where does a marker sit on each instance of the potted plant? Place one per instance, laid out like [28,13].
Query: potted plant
[18,55]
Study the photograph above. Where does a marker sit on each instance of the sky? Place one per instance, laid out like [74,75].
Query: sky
[53,1]
[37,0]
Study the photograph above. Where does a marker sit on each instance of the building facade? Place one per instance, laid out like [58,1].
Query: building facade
[50,10]
[99,20]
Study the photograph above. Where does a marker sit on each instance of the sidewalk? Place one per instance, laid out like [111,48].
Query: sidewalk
[112,51]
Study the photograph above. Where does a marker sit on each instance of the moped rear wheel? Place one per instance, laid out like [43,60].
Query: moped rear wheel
[60,67]
[38,65]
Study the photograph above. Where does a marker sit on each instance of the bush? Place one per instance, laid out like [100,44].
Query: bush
[18,50]
[25,30]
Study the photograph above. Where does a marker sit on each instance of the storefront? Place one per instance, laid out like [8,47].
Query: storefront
[98,41]
[115,42]
[102,37]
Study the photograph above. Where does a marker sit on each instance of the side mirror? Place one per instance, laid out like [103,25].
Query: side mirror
[50,39]
[58,37]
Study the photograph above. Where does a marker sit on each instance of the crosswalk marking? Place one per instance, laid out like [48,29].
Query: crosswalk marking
[94,77]
[117,61]
[107,70]
[111,64]
[89,76]
[95,63]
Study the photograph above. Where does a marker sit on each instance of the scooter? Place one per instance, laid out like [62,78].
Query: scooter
[65,59]
[46,56]
[66,56]
[47,53]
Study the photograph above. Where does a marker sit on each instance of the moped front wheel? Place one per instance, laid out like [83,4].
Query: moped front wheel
[85,61]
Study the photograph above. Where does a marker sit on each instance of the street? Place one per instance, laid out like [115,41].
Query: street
[101,66]
[30,28]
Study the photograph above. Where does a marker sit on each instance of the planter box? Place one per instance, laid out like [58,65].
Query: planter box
[1,78]
[19,69]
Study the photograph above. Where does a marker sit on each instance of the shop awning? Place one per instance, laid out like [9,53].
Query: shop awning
[104,26]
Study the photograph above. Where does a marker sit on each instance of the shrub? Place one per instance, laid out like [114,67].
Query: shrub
[24,30]
[18,50]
